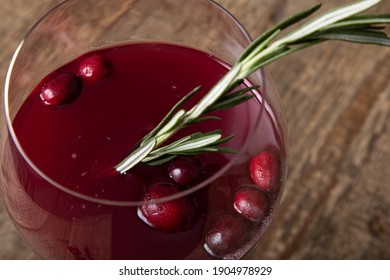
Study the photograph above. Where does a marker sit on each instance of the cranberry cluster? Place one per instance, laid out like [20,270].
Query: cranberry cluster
[178,214]
[252,203]
[64,88]
[229,230]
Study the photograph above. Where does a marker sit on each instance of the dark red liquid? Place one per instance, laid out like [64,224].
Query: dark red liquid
[76,145]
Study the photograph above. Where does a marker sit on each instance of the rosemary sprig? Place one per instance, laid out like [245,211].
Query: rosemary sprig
[343,23]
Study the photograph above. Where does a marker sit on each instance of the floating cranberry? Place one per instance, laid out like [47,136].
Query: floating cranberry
[251,203]
[61,89]
[185,170]
[265,169]
[226,235]
[95,68]
[170,216]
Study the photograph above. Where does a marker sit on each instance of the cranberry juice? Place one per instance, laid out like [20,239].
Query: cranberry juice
[88,115]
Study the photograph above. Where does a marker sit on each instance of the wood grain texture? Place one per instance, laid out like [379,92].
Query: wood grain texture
[336,96]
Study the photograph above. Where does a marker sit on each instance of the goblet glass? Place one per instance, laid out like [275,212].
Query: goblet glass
[61,221]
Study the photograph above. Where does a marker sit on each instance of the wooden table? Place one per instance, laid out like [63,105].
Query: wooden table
[336,97]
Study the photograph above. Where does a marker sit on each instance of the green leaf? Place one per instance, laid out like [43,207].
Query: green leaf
[230,100]
[160,161]
[361,21]
[260,47]
[279,26]
[356,36]
[223,140]
[259,61]
[197,151]
[214,94]
[198,143]
[191,142]
[327,19]
[203,119]
[227,150]
[208,150]
[136,156]
[171,113]
[172,125]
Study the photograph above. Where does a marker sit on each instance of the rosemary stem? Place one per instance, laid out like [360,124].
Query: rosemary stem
[338,24]
[327,19]
[216,92]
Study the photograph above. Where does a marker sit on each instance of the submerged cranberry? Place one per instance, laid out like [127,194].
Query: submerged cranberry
[226,235]
[95,68]
[185,170]
[61,89]
[170,216]
[78,254]
[251,203]
[265,169]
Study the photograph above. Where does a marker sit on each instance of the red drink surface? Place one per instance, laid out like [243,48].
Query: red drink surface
[78,144]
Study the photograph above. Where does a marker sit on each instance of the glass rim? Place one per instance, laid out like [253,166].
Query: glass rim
[123,203]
